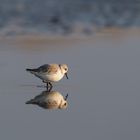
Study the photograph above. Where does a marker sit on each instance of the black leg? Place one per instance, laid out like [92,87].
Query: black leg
[47,86]
[51,86]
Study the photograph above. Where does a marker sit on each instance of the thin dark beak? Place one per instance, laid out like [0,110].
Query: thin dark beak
[66,97]
[66,75]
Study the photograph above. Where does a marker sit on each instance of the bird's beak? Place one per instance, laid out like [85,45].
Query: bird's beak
[66,97]
[66,75]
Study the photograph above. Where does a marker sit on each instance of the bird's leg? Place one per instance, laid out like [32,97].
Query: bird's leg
[51,86]
[47,86]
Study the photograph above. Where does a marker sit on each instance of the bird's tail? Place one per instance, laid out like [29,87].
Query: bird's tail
[32,101]
[31,70]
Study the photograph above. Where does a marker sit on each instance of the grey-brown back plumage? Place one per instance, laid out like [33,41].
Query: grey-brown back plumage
[45,68]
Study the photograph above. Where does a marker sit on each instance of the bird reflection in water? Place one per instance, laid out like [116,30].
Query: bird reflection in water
[50,100]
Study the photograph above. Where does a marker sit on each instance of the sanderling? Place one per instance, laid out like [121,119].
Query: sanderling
[50,73]
[50,100]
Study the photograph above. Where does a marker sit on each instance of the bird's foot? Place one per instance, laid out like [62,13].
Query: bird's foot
[49,86]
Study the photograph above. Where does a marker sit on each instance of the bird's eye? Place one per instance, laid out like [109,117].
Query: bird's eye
[65,69]
[65,104]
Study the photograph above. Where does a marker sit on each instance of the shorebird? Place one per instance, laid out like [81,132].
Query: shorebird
[50,100]
[49,73]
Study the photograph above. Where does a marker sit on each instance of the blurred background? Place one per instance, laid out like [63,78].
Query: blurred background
[66,16]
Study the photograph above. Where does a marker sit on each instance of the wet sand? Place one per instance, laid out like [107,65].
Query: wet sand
[103,87]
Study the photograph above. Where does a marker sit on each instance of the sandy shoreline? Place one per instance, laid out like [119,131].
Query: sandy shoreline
[34,39]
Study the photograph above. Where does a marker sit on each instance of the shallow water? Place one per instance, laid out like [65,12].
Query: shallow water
[103,88]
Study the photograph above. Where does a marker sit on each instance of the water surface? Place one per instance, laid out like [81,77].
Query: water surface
[103,88]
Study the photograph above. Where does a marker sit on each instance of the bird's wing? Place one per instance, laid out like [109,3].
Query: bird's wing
[51,102]
[48,69]
[43,68]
